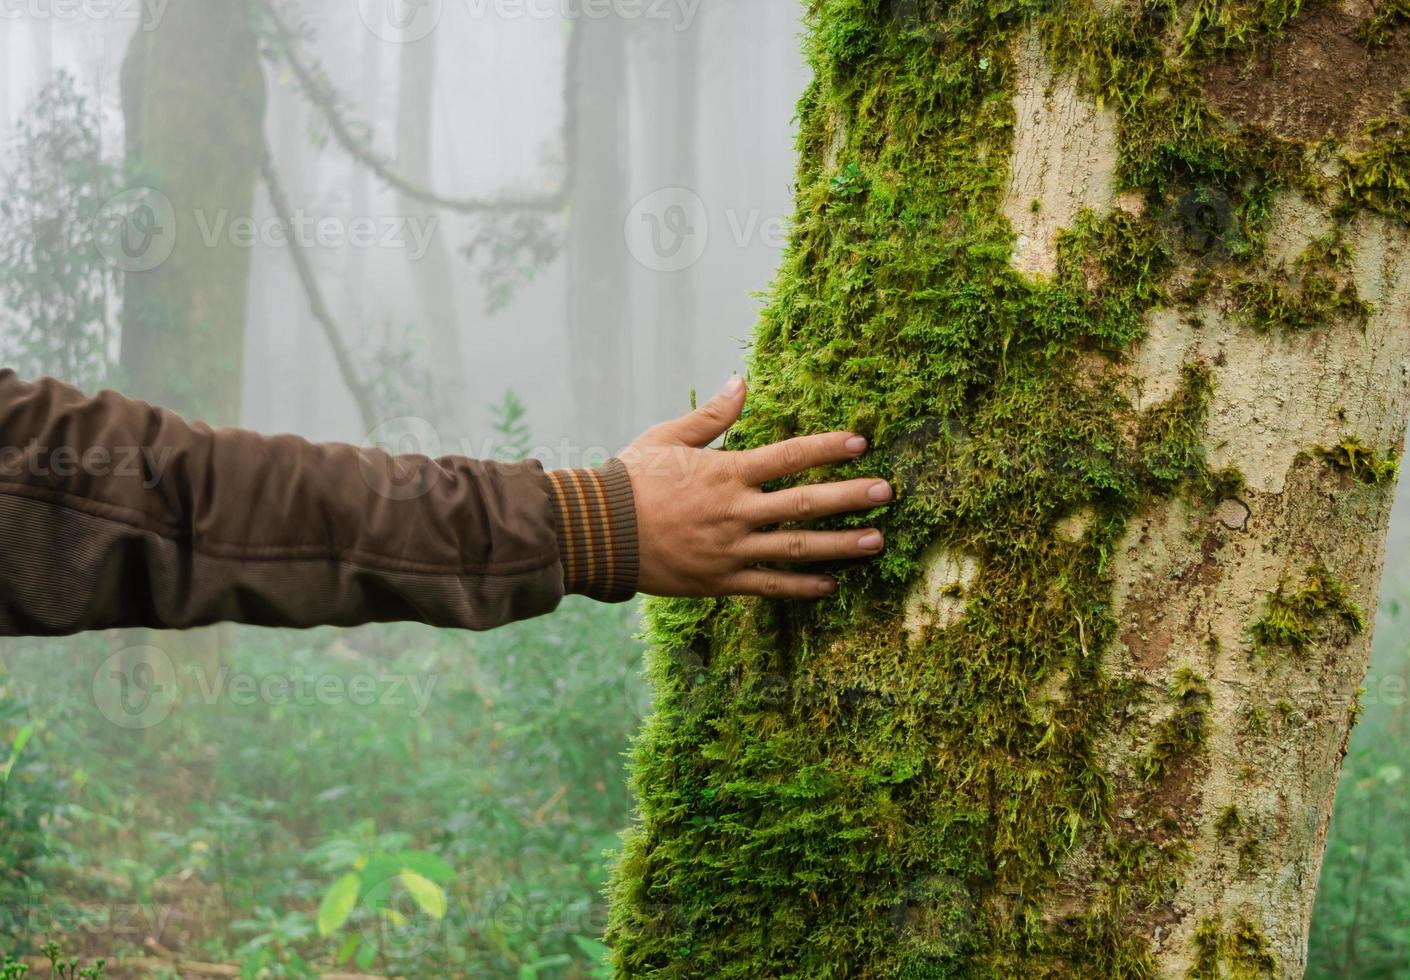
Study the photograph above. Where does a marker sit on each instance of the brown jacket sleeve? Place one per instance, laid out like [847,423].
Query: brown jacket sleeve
[116,513]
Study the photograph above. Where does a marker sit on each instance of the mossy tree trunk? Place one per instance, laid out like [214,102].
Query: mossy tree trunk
[1120,291]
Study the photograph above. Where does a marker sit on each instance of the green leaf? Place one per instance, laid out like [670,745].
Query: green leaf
[337,904]
[592,949]
[426,864]
[430,896]
[21,740]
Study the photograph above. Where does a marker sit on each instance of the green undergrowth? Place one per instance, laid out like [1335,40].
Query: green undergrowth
[1296,620]
[822,795]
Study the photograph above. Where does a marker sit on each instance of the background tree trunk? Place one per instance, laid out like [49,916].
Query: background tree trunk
[597,274]
[193,104]
[1132,345]
[431,273]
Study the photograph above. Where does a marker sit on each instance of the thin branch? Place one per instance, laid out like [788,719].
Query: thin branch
[366,404]
[324,96]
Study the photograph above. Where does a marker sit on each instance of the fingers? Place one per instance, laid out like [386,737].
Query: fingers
[820,500]
[796,455]
[770,584]
[711,420]
[810,546]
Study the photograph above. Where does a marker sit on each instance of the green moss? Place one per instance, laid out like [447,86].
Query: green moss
[1185,731]
[1378,28]
[1354,457]
[1256,721]
[1228,823]
[1217,25]
[822,796]
[1295,620]
[1319,291]
[1241,952]
[1379,178]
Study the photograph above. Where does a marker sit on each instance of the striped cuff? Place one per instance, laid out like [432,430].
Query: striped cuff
[597,536]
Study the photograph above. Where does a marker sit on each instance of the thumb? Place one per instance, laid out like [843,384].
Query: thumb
[711,420]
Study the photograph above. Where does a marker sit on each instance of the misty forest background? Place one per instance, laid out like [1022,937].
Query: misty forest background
[543,233]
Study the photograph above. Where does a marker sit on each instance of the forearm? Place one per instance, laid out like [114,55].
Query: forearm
[115,513]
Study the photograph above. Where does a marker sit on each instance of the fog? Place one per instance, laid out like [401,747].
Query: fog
[667,139]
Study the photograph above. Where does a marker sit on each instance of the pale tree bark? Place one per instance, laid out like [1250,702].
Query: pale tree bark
[597,256]
[1141,397]
[432,273]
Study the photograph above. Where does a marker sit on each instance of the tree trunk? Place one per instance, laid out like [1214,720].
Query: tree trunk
[193,104]
[1130,339]
[43,51]
[597,255]
[432,272]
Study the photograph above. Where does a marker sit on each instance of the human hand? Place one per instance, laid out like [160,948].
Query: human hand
[701,513]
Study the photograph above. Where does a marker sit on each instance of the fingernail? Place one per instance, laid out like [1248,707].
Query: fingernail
[856,445]
[879,492]
[871,541]
[733,386]
[827,586]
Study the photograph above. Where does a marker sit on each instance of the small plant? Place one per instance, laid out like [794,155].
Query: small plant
[378,872]
[59,968]
[512,437]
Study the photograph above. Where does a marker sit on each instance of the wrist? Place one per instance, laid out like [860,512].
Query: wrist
[598,543]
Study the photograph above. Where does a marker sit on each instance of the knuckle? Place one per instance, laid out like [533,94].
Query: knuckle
[793,456]
[797,547]
[805,505]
